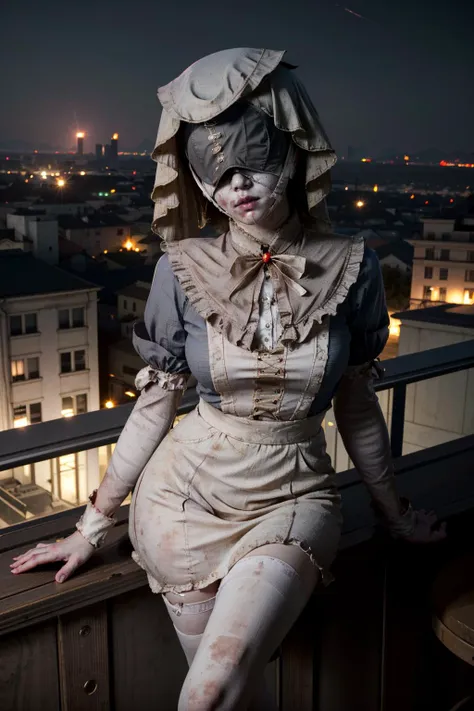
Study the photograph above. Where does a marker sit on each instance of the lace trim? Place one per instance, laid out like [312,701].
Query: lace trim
[292,333]
[167,381]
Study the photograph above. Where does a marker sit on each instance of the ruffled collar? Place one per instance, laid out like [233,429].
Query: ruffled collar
[311,275]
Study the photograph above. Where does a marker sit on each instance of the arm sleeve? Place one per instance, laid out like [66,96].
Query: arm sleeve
[356,406]
[160,341]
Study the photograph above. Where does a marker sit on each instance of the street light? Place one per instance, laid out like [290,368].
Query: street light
[109,404]
[360,203]
[60,183]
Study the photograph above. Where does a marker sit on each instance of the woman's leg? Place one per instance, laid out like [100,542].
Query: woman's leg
[190,613]
[256,606]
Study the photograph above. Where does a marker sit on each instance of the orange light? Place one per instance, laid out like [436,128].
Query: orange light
[412,197]
[128,244]
[360,203]
[60,183]
[115,137]
[376,188]
[80,134]
[113,191]
[130,393]
[406,158]
[366,160]
[109,404]
[83,172]
[137,249]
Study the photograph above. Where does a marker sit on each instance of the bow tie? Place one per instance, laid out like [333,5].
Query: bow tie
[287,267]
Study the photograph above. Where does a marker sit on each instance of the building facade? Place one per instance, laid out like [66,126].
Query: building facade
[443,264]
[48,370]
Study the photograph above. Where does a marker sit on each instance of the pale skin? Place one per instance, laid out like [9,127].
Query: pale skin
[247,198]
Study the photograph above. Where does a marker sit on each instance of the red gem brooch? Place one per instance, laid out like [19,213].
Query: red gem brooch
[266,257]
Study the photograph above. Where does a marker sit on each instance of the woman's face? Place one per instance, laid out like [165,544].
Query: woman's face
[247,197]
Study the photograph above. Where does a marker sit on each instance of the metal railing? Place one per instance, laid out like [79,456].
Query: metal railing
[55,438]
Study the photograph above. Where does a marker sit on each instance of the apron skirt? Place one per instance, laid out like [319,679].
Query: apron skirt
[219,486]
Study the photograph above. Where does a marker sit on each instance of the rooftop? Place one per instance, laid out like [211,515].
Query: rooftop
[398,248]
[21,274]
[446,314]
[135,291]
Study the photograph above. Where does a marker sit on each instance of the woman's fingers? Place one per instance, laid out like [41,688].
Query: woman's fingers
[67,570]
[35,557]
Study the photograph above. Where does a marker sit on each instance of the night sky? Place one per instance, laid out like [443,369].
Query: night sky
[399,75]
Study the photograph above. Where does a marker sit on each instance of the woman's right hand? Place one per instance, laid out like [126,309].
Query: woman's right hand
[74,549]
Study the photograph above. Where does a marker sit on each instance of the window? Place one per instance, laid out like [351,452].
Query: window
[31,325]
[126,370]
[125,304]
[120,232]
[66,363]
[71,318]
[446,236]
[134,306]
[442,293]
[35,413]
[429,253]
[26,323]
[77,318]
[79,360]
[27,414]
[74,405]
[81,404]
[469,275]
[427,292]
[469,296]
[71,361]
[443,274]
[470,256]
[444,256]
[22,369]
[428,272]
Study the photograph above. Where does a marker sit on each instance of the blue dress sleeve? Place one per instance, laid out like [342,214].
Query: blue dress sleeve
[368,318]
[160,338]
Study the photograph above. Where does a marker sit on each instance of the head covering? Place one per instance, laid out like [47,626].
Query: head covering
[206,90]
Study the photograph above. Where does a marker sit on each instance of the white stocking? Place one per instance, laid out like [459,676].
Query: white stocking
[256,605]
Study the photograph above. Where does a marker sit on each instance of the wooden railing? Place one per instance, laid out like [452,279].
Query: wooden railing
[103,641]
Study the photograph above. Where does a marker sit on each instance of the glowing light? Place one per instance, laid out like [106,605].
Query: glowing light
[44,175]
[395,324]
[32,176]
[115,137]
[129,393]
[109,404]
[80,134]
[330,424]
[376,188]
[412,197]
[366,160]
[83,172]
[26,180]
[128,244]
[21,422]
[137,249]
[106,251]
[346,188]
[360,203]
[406,158]
[67,412]
[451,200]
[113,191]
[427,202]
[60,183]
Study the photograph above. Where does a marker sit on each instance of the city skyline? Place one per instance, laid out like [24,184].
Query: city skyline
[400,72]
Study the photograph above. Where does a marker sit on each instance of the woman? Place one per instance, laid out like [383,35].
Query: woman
[235,513]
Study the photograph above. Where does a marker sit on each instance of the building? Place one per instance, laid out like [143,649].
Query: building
[124,363]
[48,370]
[443,266]
[397,254]
[114,149]
[440,409]
[80,143]
[98,232]
[99,151]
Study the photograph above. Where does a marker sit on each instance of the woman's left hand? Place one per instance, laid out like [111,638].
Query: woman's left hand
[427,528]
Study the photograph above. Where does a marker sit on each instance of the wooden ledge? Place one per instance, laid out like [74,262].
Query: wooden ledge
[446,485]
